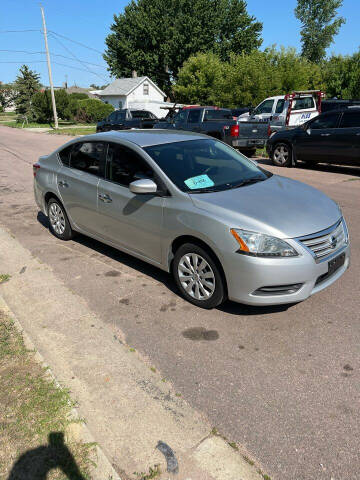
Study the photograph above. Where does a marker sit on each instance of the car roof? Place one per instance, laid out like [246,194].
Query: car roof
[145,137]
[349,108]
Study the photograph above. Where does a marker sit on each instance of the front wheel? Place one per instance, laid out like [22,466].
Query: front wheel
[281,155]
[198,277]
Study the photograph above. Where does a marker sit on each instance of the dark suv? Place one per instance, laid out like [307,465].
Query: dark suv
[125,119]
[332,137]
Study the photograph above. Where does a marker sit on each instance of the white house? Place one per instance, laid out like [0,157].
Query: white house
[137,93]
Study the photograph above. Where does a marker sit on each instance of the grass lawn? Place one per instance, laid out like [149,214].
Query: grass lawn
[33,417]
[74,131]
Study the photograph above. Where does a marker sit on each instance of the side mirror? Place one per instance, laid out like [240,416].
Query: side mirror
[145,185]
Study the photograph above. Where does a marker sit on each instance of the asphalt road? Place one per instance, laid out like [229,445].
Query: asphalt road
[282,381]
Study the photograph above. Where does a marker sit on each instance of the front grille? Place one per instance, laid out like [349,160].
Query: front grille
[326,242]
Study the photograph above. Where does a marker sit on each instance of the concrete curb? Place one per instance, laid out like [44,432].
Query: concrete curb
[78,430]
[127,406]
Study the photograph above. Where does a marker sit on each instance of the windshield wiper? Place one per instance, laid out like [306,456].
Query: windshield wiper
[248,181]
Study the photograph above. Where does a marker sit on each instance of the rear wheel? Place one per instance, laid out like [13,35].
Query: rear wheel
[198,277]
[281,155]
[59,224]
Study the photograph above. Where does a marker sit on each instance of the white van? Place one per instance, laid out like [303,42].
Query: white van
[292,109]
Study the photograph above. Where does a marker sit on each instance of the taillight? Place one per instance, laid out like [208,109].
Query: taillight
[269,131]
[36,167]
[234,130]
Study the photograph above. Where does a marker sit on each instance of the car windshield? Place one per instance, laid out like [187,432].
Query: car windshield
[199,166]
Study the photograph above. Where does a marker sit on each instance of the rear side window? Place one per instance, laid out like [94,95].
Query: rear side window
[350,120]
[65,156]
[326,121]
[303,103]
[280,106]
[194,116]
[89,157]
[218,115]
[140,114]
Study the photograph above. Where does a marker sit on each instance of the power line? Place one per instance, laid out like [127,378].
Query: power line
[77,59]
[53,54]
[25,62]
[74,41]
[20,31]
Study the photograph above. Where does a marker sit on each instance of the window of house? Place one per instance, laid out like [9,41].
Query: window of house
[146,89]
[124,166]
[89,157]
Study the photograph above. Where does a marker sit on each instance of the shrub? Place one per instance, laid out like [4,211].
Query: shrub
[42,106]
[92,110]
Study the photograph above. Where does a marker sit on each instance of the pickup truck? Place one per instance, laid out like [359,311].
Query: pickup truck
[219,123]
[125,119]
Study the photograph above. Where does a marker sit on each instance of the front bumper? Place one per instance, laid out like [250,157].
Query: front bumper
[245,275]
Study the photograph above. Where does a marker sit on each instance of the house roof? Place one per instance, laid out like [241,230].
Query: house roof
[124,86]
[75,89]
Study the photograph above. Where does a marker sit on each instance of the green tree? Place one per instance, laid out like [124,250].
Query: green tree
[26,85]
[155,37]
[341,76]
[244,79]
[319,25]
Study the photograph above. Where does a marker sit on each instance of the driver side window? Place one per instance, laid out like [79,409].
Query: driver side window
[124,166]
[265,107]
[181,116]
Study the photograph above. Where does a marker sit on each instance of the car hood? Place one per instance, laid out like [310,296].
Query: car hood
[277,206]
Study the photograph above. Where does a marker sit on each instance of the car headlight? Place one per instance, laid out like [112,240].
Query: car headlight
[261,245]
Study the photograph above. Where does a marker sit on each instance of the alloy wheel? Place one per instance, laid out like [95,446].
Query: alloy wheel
[57,218]
[196,276]
[281,154]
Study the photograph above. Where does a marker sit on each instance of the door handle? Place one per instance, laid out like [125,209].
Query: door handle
[358,134]
[325,134]
[63,184]
[105,198]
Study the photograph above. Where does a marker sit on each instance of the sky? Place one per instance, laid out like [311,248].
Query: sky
[88,22]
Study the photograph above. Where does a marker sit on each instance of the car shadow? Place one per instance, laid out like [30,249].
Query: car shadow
[320,167]
[35,464]
[161,276]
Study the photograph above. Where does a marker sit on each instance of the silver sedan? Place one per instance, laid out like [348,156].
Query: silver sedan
[193,206]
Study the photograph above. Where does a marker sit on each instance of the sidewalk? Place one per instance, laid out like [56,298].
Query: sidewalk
[127,406]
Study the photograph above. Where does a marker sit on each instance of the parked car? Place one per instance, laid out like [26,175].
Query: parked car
[337,104]
[125,119]
[193,206]
[288,110]
[236,112]
[219,123]
[332,137]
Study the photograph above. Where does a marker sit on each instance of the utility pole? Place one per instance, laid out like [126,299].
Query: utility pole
[49,69]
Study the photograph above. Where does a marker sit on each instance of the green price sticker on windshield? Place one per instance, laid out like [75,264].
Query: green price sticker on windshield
[201,181]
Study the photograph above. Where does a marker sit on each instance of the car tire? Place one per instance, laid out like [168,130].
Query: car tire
[59,224]
[198,276]
[281,155]
[248,153]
